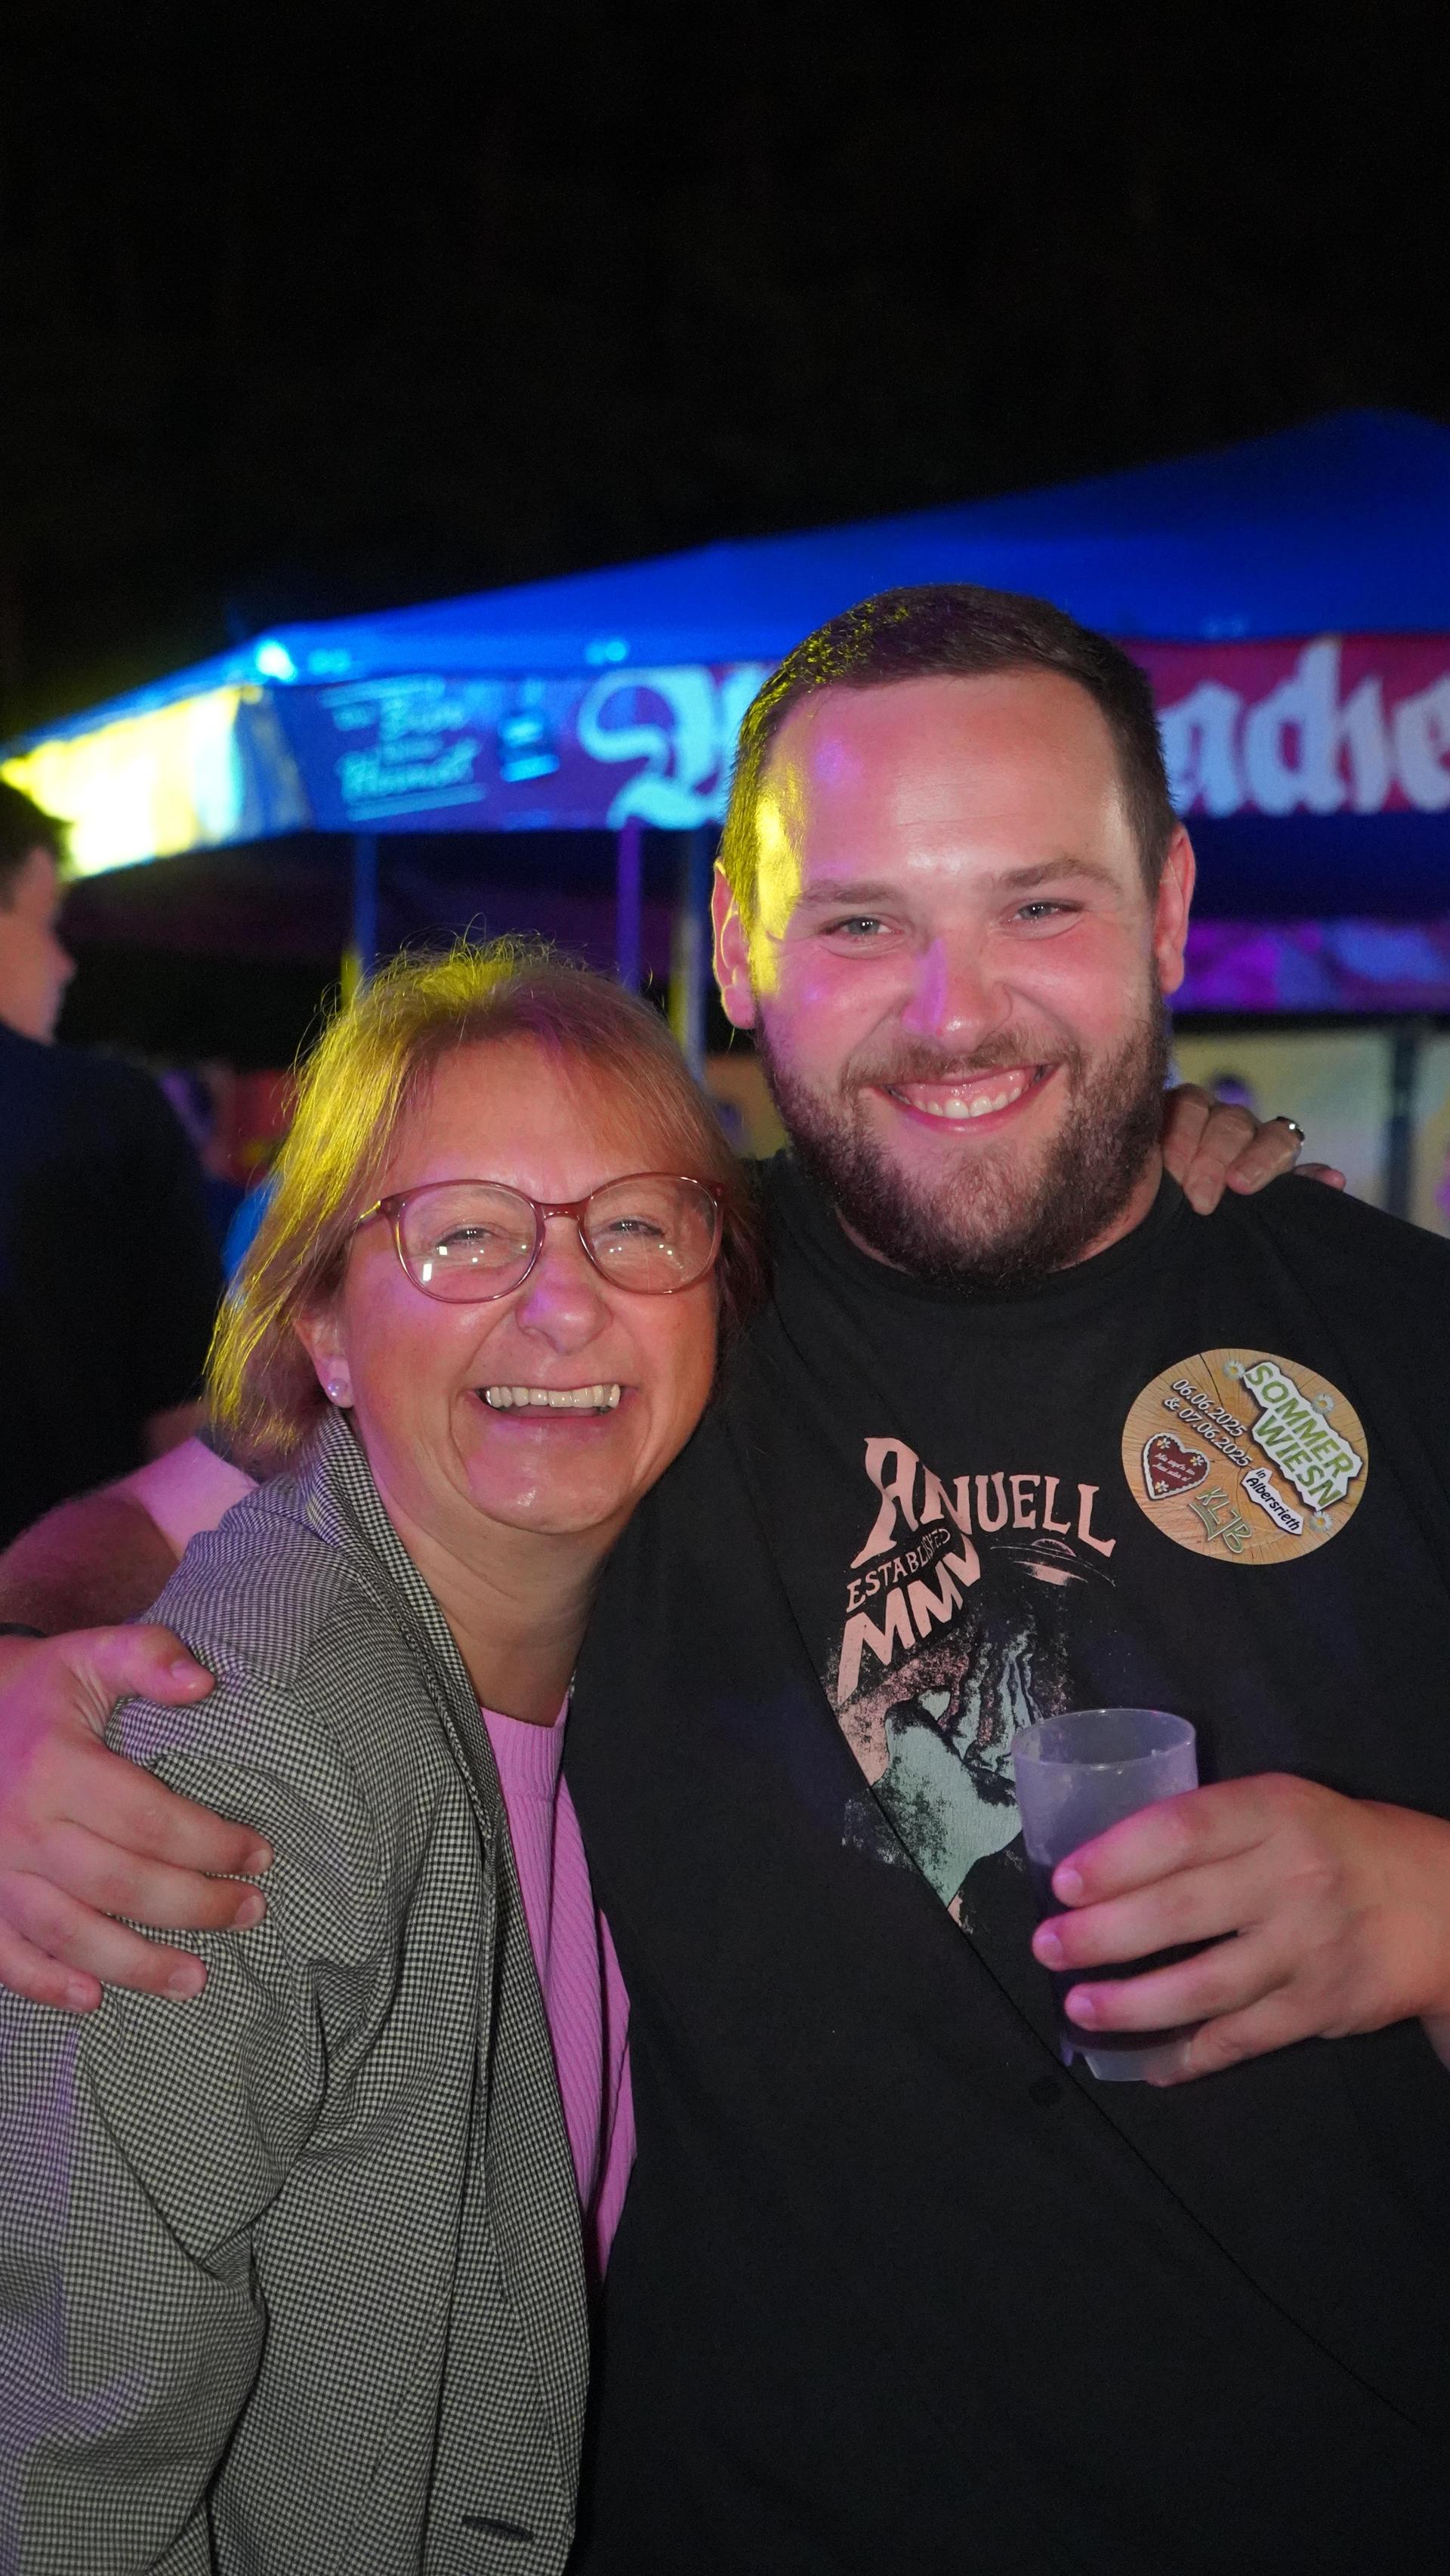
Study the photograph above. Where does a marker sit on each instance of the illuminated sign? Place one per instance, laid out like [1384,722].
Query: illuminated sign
[1354,724]
[433,753]
[194,775]
[1322,725]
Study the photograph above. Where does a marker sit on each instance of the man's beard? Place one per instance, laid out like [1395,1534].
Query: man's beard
[993,1221]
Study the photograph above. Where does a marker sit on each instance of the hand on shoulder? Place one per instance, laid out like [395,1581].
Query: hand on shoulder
[86,1835]
[1212,1145]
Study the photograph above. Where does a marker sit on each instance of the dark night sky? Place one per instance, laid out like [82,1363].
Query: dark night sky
[304,309]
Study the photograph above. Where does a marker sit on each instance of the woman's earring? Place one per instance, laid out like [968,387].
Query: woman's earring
[336,1391]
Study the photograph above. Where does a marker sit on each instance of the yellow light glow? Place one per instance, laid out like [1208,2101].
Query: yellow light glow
[777,888]
[146,786]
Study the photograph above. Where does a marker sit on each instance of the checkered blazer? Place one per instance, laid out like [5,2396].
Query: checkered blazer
[290,2276]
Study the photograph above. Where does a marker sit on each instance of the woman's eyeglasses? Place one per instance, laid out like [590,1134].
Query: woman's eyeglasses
[465,1242]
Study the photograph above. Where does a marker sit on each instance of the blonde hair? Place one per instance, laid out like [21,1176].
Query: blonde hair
[369,1070]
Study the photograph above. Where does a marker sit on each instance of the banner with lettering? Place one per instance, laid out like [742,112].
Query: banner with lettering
[1357,724]
[1319,725]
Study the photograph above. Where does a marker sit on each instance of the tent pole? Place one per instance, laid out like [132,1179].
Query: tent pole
[690,947]
[628,903]
[1400,1128]
[362,951]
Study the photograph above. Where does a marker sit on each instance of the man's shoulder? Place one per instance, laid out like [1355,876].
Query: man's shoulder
[64,1084]
[68,1068]
[1345,1237]
[132,1103]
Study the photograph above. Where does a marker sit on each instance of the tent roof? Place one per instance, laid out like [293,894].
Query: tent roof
[1342,525]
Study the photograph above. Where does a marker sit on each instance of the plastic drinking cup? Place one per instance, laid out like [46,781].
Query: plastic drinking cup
[1076,1775]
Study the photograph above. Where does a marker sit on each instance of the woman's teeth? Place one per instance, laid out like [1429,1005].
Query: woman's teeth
[553,1399]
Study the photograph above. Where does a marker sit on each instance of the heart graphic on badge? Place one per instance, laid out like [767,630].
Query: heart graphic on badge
[1169,1468]
[1265,1460]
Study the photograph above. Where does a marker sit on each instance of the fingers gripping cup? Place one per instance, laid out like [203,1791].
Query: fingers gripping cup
[1076,1775]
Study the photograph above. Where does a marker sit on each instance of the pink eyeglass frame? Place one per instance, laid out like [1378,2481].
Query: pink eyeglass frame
[393,1206]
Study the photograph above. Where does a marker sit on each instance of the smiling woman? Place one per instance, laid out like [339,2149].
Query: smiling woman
[366,1079]
[479,1321]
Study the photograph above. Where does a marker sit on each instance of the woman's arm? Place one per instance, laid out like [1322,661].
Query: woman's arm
[140,2146]
[1212,1145]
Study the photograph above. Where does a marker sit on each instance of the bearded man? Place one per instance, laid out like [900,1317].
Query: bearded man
[903,2283]
[894,2289]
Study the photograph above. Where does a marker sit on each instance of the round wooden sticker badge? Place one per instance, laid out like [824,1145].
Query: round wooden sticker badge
[1244,1457]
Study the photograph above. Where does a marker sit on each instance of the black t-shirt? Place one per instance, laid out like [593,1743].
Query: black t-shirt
[894,2289]
[108,1275]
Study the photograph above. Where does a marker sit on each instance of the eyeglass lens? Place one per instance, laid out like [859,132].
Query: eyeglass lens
[466,1240]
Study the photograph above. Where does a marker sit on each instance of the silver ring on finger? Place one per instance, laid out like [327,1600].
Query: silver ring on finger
[1295,1130]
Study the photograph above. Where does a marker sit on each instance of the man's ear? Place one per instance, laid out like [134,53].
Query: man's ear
[1171,907]
[732,955]
[319,1333]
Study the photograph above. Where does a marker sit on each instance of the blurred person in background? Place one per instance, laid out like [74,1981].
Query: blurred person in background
[245,1224]
[108,1275]
[194,1101]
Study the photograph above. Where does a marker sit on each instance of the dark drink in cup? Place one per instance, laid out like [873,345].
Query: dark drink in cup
[1075,2037]
[1077,1775]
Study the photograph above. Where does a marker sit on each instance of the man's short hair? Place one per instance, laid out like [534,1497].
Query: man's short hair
[953,630]
[24,827]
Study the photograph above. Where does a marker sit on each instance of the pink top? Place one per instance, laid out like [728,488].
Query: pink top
[584,1998]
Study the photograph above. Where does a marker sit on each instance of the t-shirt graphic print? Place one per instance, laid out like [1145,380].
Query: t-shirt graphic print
[958,1611]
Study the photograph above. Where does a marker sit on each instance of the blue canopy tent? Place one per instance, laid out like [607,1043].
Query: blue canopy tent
[1290,598]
